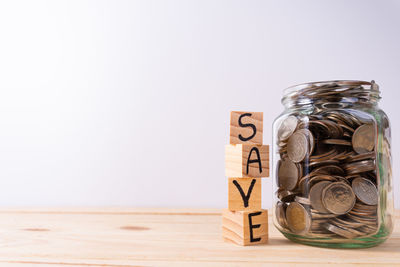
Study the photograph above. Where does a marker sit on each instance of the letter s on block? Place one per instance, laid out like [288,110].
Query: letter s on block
[251,125]
[246,127]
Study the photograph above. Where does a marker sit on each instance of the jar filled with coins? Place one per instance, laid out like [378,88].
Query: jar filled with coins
[332,163]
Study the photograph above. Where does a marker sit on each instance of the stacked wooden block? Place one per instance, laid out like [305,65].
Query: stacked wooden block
[246,161]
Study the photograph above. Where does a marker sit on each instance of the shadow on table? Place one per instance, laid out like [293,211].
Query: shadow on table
[388,246]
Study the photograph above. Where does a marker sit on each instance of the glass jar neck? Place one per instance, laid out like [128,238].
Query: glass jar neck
[332,94]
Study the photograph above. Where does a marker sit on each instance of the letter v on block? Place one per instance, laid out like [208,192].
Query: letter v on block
[244,194]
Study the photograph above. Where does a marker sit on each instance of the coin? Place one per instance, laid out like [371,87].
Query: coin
[359,167]
[363,139]
[316,196]
[323,156]
[329,175]
[344,155]
[288,175]
[319,178]
[374,86]
[339,142]
[326,129]
[287,127]
[362,219]
[365,190]
[297,146]
[362,207]
[286,196]
[329,169]
[298,219]
[369,229]
[302,200]
[325,162]
[310,138]
[340,231]
[346,127]
[346,222]
[322,216]
[338,198]
[358,157]
[280,214]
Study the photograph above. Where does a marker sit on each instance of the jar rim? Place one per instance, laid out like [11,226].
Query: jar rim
[306,92]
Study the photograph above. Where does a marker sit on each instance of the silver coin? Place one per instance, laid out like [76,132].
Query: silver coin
[316,196]
[297,146]
[310,137]
[288,175]
[338,198]
[280,214]
[287,127]
[359,167]
[334,153]
[365,190]
[340,231]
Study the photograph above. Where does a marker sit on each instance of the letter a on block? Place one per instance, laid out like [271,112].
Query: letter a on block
[245,227]
[244,194]
[246,127]
[247,160]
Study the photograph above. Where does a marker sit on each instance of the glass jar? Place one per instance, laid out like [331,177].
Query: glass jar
[332,163]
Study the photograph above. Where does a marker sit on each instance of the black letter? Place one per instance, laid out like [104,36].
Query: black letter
[246,125]
[254,160]
[247,196]
[252,226]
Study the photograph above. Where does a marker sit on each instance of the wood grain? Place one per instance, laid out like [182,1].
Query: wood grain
[236,157]
[256,119]
[236,227]
[253,197]
[159,237]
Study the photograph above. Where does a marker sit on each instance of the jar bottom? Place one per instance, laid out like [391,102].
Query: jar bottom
[365,242]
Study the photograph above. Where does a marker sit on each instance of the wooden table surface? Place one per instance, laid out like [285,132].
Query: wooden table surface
[157,237]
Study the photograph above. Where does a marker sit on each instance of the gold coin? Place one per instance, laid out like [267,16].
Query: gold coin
[297,218]
[363,139]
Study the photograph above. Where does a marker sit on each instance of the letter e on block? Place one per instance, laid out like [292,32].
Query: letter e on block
[244,194]
[245,227]
[246,127]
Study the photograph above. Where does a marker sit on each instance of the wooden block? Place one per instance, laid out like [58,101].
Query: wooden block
[245,227]
[246,160]
[246,127]
[244,194]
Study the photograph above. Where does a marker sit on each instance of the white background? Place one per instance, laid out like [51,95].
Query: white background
[113,103]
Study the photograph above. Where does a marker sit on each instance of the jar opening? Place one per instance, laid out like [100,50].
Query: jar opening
[332,93]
